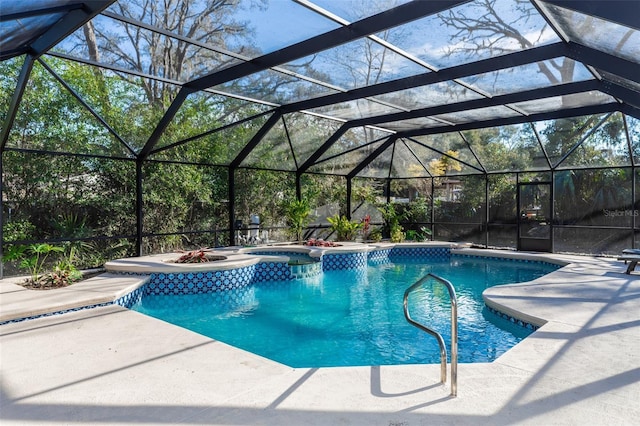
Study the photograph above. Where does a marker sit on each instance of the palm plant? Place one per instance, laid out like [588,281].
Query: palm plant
[32,257]
[298,216]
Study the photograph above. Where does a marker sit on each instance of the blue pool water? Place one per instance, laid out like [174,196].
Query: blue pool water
[355,318]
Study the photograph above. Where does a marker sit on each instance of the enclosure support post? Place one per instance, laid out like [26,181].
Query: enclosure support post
[232,197]
[433,204]
[21,84]
[139,207]
[388,190]
[348,198]
[633,207]
[298,187]
[518,215]
[633,183]
[553,210]
[486,210]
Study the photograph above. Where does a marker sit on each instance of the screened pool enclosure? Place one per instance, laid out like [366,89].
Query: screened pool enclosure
[136,126]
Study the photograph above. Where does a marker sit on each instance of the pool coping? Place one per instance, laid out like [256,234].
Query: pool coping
[492,295]
[580,367]
[18,303]
[245,256]
[125,276]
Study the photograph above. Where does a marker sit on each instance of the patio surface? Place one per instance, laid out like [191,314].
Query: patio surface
[109,365]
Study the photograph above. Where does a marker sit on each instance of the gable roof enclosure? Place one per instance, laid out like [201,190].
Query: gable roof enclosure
[484,95]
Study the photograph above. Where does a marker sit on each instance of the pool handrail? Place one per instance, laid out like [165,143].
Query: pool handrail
[438,336]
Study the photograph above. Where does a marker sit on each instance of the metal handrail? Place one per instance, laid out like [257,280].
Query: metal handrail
[438,336]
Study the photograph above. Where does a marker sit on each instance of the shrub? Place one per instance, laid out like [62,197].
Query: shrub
[193,256]
[346,229]
[320,243]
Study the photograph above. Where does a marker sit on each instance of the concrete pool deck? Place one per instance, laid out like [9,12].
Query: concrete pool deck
[109,365]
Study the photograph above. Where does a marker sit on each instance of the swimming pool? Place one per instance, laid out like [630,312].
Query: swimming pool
[355,317]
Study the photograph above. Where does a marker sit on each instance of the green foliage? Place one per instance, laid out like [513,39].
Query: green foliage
[397,236]
[71,225]
[14,252]
[420,235]
[76,197]
[180,197]
[502,197]
[18,230]
[375,235]
[417,210]
[66,197]
[345,229]
[389,214]
[468,207]
[9,71]
[392,222]
[427,232]
[262,192]
[365,193]
[323,190]
[582,196]
[63,274]
[297,216]
[32,257]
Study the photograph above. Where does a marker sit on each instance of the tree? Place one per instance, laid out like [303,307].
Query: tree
[211,22]
[488,29]
[360,63]
[445,164]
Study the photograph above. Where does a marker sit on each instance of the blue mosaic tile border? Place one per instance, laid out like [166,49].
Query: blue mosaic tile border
[278,253]
[199,282]
[272,271]
[342,261]
[214,281]
[50,314]
[439,253]
[130,299]
[513,320]
[535,262]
